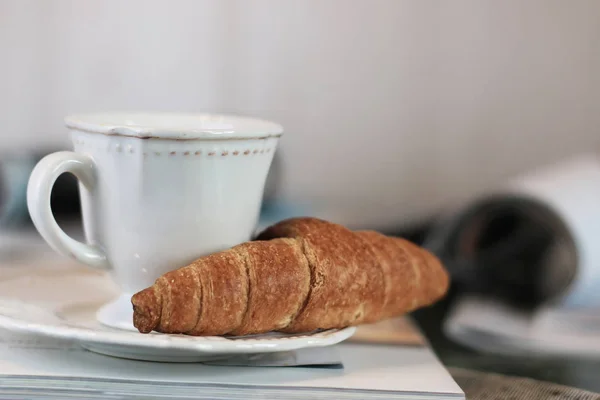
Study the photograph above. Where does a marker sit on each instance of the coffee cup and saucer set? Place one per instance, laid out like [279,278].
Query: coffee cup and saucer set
[157,190]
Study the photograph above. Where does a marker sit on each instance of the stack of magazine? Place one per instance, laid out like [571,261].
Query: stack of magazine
[31,368]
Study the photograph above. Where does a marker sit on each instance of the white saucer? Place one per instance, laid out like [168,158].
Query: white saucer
[50,297]
[117,314]
[79,325]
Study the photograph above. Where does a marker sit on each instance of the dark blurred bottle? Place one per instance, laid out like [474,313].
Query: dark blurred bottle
[533,241]
[507,248]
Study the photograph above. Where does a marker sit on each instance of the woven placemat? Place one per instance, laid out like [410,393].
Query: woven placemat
[482,385]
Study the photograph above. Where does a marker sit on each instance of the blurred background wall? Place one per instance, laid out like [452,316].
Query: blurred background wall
[393,109]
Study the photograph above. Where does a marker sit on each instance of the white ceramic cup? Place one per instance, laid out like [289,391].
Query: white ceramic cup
[158,190]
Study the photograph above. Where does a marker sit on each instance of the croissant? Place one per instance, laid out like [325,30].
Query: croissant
[299,275]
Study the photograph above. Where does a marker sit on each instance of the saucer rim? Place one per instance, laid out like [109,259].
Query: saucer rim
[159,341]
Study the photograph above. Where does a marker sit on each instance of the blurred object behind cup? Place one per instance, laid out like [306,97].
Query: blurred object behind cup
[14,174]
[533,241]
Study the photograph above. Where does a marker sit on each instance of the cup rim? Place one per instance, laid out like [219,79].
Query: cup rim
[174,125]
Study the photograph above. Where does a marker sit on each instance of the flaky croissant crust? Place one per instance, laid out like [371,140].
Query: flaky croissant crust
[299,275]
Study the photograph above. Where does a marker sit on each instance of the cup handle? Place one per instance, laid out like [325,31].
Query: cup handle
[39,188]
